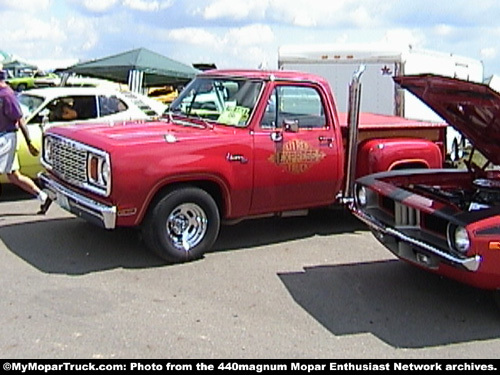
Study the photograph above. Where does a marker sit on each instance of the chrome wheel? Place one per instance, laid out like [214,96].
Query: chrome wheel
[186,226]
[182,225]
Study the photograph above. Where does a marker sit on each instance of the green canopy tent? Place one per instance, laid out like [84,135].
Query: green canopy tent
[16,67]
[139,68]
[13,64]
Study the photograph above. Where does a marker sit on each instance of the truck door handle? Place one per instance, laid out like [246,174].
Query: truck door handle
[236,158]
[328,141]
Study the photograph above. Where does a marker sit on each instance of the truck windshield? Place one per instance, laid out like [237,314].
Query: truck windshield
[227,101]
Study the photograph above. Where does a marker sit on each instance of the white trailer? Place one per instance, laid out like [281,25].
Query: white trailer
[380,94]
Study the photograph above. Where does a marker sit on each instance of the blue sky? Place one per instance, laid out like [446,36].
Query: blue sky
[242,33]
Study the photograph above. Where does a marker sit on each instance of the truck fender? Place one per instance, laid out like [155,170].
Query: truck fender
[216,187]
[378,155]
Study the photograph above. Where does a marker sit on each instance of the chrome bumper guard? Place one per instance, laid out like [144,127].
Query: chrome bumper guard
[470,264]
[88,209]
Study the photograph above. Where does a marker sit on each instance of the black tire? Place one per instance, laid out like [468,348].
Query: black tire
[183,225]
[495,294]
[21,87]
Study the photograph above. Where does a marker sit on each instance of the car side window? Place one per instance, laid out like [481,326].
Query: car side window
[62,109]
[85,107]
[298,104]
[109,105]
[72,108]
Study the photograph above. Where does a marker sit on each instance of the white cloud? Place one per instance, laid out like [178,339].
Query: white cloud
[444,30]
[83,33]
[235,9]
[244,46]
[362,17]
[249,35]
[241,32]
[243,36]
[193,36]
[305,13]
[25,5]
[303,20]
[98,6]
[489,53]
[402,38]
[147,6]
[302,13]
[34,29]
[47,39]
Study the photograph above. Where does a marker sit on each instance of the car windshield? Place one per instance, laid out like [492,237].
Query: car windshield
[29,103]
[228,101]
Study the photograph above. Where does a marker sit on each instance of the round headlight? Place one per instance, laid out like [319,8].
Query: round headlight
[462,241]
[362,196]
[105,172]
[47,150]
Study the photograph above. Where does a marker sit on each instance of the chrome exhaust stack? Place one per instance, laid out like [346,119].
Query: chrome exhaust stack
[353,123]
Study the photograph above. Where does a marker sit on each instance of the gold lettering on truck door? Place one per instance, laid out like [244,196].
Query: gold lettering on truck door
[297,156]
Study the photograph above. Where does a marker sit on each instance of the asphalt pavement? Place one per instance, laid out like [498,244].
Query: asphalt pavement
[311,287]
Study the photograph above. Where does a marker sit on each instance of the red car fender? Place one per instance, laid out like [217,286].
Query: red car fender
[378,155]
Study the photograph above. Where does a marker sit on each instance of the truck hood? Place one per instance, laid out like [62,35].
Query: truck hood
[471,108]
[130,132]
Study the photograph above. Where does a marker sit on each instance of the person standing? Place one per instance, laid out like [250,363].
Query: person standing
[11,120]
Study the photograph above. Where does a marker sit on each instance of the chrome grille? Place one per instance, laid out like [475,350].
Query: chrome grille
[69,161]
[405,216]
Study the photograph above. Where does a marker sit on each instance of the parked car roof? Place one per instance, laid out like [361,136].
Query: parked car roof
[48,107]
[140,106]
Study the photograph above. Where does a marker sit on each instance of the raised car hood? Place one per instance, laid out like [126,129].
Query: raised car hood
[471,108]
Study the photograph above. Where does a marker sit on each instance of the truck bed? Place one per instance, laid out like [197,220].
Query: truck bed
[383,126]
[372,121]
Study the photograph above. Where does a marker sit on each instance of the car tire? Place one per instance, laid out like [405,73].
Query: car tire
[21,87]
[495,294]
[182,225]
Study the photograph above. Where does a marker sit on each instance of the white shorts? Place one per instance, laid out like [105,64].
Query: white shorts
[8,155]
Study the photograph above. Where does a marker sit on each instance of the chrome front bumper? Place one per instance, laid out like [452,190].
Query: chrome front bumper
[470,264]
[79,205]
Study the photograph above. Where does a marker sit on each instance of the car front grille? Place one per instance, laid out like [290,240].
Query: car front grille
[413,222]
[69,161]
[405,216]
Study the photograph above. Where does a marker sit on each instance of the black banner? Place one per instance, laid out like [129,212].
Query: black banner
[248,366]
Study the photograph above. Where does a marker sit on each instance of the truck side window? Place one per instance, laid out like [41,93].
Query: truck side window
[294,103]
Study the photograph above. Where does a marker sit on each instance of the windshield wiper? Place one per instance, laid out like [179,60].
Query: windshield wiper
[179,112]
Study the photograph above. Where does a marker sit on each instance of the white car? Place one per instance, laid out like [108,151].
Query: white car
[47,107]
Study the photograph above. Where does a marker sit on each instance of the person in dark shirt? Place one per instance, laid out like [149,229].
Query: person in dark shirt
[11,119]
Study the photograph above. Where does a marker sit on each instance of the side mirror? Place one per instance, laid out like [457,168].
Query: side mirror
[44,115]
[291,126]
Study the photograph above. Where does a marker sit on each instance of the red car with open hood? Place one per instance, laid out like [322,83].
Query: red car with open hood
[447,220]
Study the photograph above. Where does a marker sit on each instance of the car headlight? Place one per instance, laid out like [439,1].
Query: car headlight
[47,150]
[106,172]
[462,241]
[361,196]
[458,239]
[98,170]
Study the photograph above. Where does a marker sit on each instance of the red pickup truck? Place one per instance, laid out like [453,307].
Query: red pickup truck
[234,145]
